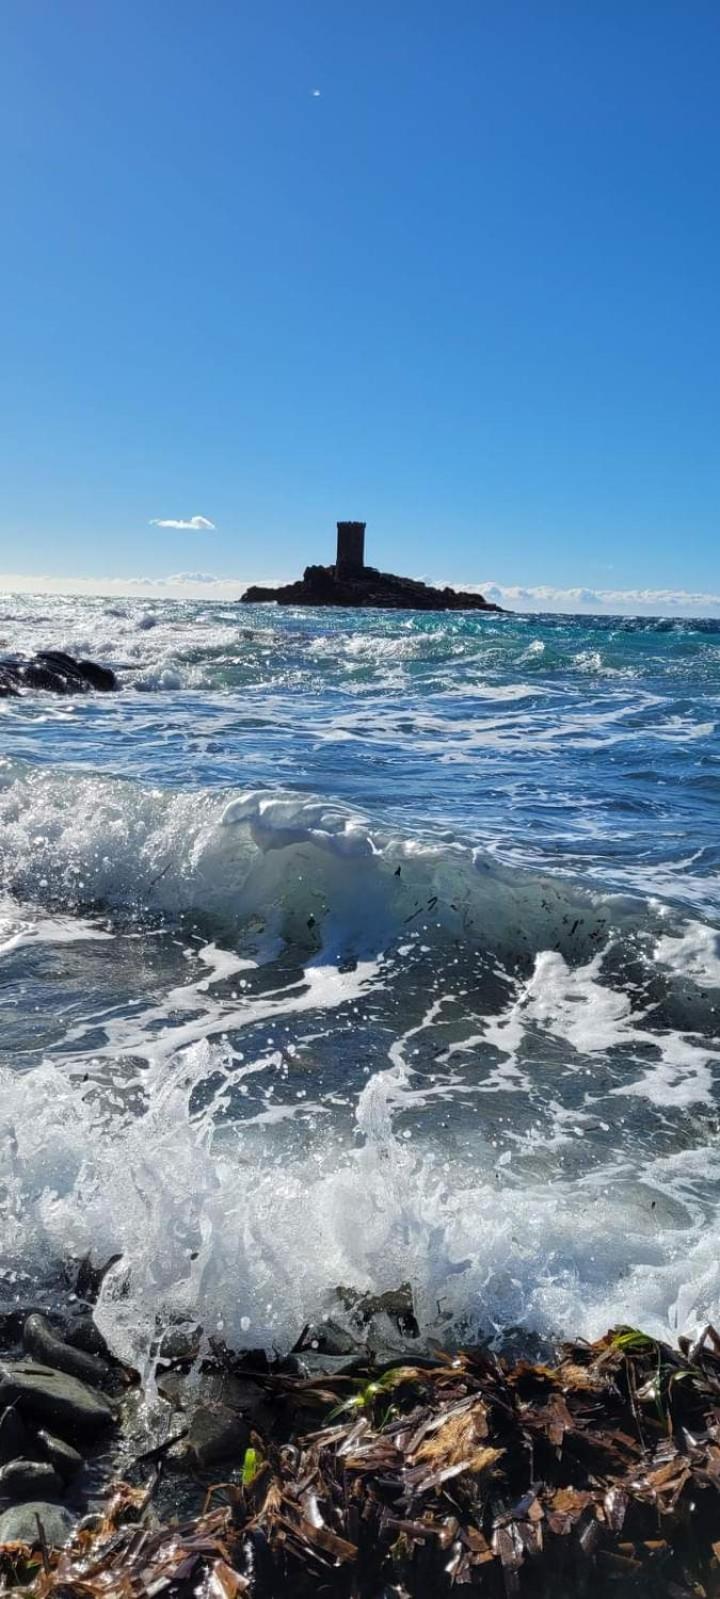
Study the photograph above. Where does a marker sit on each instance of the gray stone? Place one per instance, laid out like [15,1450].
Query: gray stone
[62,1456]
[186,1390]
[70,1406]
[24,1479]
[40,1341]
[20,1524]
[216,1433]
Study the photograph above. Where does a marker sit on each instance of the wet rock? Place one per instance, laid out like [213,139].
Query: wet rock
[40,1341]
[180,1343]
[185,1390]
[13,1321]
[221,1407]
[20,1524]
[83,1334]
[66,1460]
[24,1479]
[313,1364]
[55,672]
[90,1277]
[396,1303]
[71,1406]
[14,1435]
[216,1433]
[329,1338]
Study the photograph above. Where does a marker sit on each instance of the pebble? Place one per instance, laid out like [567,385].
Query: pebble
[217,1433]
[62,1456]
[20,1524]
[40,1341]
[53,1396]
[23,1479]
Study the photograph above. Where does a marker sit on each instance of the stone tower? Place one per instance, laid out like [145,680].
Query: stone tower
[350,557]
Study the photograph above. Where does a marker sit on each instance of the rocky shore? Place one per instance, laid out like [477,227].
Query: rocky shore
[344,1469]
[322,585]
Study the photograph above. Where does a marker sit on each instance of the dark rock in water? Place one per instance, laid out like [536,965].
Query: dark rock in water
[52,1396]
[90,1277]
[24,1479]
[329,1338]
[14,1435]
[20,1524]
[12,1322]
[40,1341]
[62,1456]
[216,1433]
[55,672]
[222,1408]
[83,1334]
[237,1392]
[180,1343]
[311,1363]
[396,1303]
[321,585]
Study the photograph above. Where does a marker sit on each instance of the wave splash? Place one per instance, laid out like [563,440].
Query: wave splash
[213,1232]
[492,1026]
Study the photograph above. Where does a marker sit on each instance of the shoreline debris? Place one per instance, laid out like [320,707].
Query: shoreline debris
[597,1474]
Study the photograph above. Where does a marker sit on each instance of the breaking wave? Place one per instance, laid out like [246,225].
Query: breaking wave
[293,859]
[347,1057]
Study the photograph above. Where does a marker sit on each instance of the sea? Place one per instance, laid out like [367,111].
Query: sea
[346,950]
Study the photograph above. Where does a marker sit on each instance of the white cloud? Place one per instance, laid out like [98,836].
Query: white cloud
[600,602]
[193,524]
[191,577]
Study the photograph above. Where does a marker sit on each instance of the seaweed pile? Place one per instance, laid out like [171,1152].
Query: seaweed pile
[599,1473]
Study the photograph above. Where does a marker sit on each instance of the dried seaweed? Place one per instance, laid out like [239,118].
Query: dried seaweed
[598,1475]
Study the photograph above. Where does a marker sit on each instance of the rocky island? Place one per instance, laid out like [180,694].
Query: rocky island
[351,583]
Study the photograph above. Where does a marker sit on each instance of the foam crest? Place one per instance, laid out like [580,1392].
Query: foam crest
[284,856]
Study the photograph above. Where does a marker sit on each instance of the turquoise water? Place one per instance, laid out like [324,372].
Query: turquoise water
[351,948]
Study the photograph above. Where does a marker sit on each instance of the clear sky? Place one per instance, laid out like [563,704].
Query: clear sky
[452,268]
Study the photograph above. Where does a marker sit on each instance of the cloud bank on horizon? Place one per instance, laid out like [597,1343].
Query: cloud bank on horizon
[191,524]
[514,597]
[544,597]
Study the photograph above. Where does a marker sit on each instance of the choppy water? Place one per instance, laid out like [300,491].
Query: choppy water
[351,949]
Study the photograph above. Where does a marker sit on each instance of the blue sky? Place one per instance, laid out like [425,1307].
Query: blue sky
[467,291]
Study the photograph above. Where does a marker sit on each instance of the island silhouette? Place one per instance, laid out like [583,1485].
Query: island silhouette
[351,583]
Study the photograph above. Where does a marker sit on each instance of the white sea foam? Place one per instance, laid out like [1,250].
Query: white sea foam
[695,954]
[115,1142]
[212,1228]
